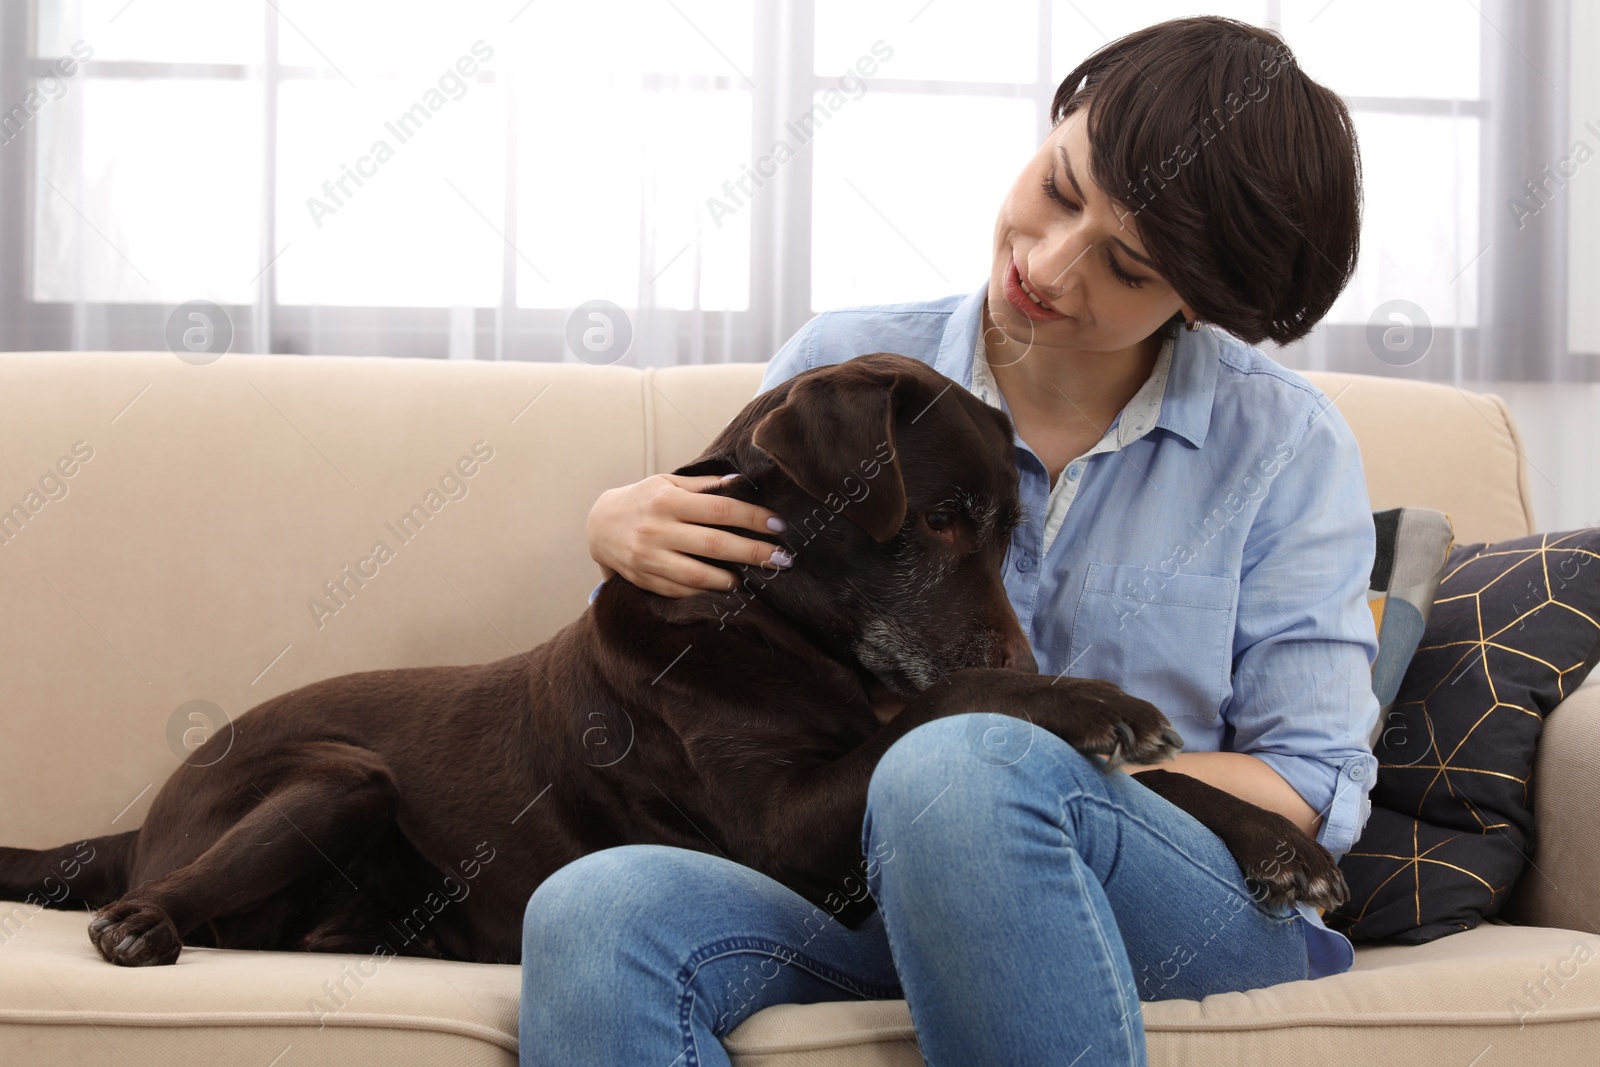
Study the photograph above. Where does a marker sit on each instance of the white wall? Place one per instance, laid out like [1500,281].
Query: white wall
[1560,429]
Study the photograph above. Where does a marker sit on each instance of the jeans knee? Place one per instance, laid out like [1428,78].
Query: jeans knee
[603,898]
[921,756]
[953,778]
[631,909]
[575,898]
[910,786]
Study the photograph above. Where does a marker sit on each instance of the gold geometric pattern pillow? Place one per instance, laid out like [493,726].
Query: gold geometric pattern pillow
[1515,627]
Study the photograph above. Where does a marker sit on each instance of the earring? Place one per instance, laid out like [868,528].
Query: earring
[1193,324]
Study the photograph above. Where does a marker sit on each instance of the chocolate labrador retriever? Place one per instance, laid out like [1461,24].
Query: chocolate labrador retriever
[415,811]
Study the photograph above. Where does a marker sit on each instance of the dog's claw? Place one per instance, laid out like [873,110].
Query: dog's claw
[131,934]
[1125,744]
[1328,893]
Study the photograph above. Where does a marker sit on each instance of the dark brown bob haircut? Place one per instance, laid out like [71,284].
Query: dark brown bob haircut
[1243,173]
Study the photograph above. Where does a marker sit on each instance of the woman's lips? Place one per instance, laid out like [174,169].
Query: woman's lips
[1022,301]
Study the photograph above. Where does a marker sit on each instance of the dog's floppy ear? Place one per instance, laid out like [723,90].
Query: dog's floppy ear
[834,437]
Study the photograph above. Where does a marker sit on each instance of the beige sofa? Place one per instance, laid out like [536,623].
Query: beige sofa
[181,560]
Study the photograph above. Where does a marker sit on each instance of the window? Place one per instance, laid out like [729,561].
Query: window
[424,179]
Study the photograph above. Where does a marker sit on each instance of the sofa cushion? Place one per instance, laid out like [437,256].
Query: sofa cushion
[1440,1003]
[1515,629]
[205,551]
[1434,445]
[1437,1003]
[61,1003]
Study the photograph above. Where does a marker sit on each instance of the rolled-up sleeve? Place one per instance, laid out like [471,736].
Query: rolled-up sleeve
[1304,641]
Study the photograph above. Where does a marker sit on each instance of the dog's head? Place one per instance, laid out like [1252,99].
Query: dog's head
[900,493]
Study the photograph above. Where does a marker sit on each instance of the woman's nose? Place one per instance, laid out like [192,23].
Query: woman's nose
[1055,262]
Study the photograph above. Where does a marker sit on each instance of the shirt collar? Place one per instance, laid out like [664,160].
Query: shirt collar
[954,358]
[1184,380]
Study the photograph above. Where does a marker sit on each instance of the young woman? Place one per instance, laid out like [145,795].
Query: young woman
[1198,531]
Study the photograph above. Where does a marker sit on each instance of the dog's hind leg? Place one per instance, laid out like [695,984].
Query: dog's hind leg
[324,810]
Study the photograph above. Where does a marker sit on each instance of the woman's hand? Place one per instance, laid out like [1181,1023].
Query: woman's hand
[644,531]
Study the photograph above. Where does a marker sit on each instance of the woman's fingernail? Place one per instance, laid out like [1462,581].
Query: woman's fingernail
[780,558]
[777,525]
[730,477]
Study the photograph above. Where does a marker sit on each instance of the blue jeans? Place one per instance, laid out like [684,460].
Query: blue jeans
[1028,900]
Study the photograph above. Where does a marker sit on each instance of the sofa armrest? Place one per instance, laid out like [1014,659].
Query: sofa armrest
[1561,887]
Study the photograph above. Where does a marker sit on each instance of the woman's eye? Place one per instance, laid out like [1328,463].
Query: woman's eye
[1053,191]
[939,521]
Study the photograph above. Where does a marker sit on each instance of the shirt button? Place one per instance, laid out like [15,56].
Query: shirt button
[1025,564]
[1073,472]
[1358,772]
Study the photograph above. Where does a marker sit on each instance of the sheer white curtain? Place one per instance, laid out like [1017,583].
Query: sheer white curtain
[665,181]
[397,179]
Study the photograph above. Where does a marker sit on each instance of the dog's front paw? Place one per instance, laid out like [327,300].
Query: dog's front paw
[1099,718]
[1294,868]
[131,934]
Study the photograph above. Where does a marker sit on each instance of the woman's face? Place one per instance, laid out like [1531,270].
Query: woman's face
[1081,256]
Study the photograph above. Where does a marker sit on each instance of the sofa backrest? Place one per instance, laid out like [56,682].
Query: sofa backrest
[181,527]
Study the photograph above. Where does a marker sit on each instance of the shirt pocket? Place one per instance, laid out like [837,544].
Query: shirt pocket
[1166,638]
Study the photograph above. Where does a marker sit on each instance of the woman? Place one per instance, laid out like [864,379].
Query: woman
[1198,531]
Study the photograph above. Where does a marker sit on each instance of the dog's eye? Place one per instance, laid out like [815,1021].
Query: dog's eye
[940,521]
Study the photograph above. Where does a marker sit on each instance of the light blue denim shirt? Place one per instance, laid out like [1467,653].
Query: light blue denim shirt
[1210,554]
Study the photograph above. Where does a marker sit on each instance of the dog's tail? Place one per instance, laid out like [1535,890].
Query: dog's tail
[93,872]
